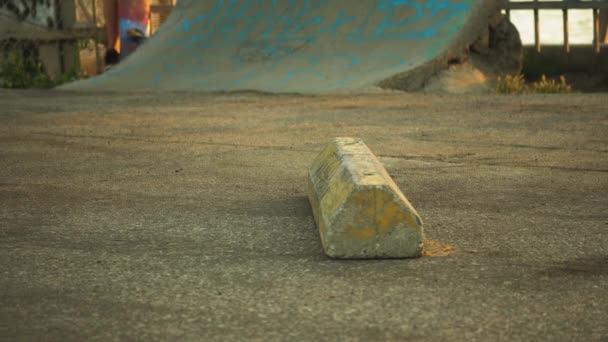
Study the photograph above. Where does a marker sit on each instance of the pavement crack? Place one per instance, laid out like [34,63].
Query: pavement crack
[173,141]
[472,162]
[533,147]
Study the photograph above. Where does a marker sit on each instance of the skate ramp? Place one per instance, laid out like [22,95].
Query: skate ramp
[301,46]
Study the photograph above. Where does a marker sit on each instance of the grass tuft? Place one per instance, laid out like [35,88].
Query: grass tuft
[516,84]
[545,86]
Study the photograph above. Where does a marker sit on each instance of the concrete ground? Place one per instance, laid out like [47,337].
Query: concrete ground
[184,217]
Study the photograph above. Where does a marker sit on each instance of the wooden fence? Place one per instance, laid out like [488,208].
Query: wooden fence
[598,7]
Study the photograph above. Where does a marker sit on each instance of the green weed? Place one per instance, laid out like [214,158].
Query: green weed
[19,72]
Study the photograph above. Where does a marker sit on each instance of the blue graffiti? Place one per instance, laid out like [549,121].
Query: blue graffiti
[340,21]
[262,37]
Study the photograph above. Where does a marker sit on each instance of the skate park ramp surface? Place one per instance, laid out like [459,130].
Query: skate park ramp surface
[300,46]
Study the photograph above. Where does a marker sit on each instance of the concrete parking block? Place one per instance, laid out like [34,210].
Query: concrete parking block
[358,208]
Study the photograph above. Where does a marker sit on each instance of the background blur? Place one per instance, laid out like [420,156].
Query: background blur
[47,42]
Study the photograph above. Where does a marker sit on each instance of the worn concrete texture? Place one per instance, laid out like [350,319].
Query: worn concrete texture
[359,210]
[184,216]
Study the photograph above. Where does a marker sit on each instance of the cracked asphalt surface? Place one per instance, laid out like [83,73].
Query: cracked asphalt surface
[184,217]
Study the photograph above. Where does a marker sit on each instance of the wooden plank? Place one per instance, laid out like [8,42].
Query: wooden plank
[566,31]
[98,66]
[11,28]
[70,60]
[537,31]
[49,55]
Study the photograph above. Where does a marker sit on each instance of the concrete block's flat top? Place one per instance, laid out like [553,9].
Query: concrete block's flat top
[359,210]
[183,217]
[292,46]
[360,162]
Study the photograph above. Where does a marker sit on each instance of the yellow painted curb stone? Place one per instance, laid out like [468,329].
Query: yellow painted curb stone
[358,208]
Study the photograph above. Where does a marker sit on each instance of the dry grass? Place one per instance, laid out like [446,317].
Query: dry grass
[545,86]
[516,84]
